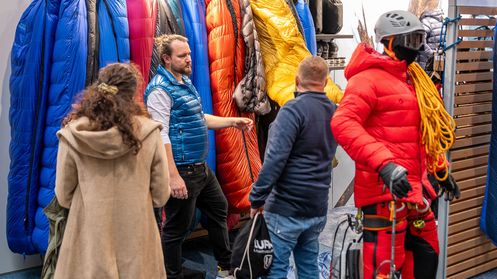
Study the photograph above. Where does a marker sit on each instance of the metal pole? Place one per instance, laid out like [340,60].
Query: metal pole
[449,84]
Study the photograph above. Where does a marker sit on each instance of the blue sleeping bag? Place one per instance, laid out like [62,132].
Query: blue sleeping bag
[488,222]
[195,30]
[305,16]
[26,88]
[114,32]
[66,80]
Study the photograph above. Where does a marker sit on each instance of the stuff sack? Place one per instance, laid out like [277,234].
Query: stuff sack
[332,16]
[252,253]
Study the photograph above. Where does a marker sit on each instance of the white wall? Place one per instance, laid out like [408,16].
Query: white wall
[9,16]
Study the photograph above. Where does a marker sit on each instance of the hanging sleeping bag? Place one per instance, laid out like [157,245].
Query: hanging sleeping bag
[238,158]
[305,16]
[250,93]
[195,30]
[177,13]
[283,47]
[488,222]
[66,80]
[293,9]
[141,20]
[113,27]
[26,117]
[93,42]
[166,23]
[332,16]
[316,7]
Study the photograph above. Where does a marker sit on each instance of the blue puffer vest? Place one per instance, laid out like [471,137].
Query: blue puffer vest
[187,128]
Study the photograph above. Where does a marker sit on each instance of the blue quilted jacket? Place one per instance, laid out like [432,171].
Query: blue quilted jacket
[187,128]
[114,32]
[66,80]
[196,32]
[26,119]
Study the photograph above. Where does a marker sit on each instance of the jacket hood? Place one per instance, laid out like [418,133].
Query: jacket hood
[365,57]
[107,144]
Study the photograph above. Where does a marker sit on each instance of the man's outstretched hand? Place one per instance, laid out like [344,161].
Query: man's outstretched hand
[242,123]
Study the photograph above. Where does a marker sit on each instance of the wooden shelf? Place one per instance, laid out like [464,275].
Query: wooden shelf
[336,68]
[333,36]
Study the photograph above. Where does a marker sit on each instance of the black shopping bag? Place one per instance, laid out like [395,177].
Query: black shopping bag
[252,253]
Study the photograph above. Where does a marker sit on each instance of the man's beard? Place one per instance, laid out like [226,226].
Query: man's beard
[187,71]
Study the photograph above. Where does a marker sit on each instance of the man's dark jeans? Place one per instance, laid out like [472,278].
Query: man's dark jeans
[205,193]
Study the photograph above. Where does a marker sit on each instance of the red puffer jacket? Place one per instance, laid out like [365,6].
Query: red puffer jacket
[377,122]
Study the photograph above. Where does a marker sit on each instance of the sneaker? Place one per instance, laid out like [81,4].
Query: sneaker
[223,273]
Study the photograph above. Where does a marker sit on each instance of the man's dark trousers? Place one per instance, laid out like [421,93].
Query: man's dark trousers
[205,193]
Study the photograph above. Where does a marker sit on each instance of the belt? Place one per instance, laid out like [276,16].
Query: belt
[191,166]
[378,223]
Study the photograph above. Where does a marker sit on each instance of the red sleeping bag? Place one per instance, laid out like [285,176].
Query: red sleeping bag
[238,160]
[142,15]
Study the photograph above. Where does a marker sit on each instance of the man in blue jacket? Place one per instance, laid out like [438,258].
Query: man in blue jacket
[173,101]
[295,178]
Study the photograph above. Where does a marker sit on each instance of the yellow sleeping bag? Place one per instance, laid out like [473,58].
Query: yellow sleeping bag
[283,47]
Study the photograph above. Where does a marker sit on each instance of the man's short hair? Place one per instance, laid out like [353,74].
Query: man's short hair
[164,42]
[313,69]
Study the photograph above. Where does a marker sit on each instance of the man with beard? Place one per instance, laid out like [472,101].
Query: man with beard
[172,100]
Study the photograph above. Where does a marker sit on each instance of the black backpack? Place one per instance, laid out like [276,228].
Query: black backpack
[252,253]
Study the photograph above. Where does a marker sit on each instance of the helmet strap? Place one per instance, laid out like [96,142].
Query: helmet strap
[389,50]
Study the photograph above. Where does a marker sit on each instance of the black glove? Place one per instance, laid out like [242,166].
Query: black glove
[396,176]
[448,187]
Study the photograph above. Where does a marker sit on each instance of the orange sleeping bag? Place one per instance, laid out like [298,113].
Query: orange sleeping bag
[238,161]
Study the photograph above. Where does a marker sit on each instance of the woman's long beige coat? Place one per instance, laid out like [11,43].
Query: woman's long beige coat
[111,230]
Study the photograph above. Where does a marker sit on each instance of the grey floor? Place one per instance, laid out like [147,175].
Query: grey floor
[201,260]
[198,254]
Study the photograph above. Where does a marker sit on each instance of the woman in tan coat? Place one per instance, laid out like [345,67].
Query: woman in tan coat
[111,172]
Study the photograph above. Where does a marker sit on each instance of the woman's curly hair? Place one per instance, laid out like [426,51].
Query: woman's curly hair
[109,102]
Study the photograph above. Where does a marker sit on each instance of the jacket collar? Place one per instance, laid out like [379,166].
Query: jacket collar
[298,94]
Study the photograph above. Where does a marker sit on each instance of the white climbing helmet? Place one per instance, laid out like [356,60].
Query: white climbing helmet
[403,24]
